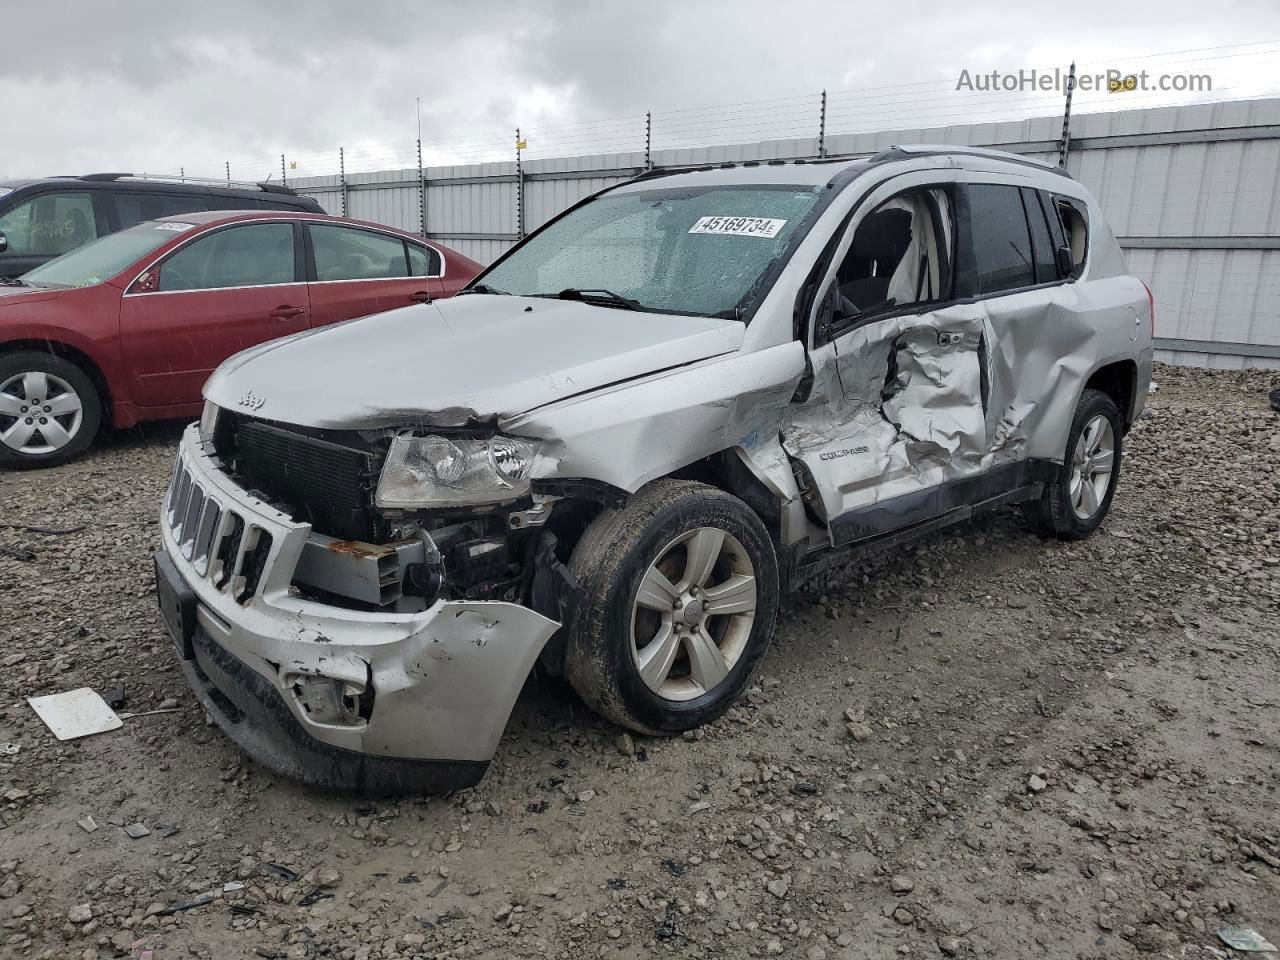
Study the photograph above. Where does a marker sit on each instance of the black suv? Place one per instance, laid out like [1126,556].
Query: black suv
[43,219]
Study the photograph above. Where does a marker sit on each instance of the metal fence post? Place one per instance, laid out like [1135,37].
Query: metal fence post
[1065,144]
[422,194]
[519,188]
[228,173]
[342,177]
[822,127]
[648,140]
[284,177]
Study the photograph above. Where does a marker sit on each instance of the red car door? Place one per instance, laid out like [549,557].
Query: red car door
[219,293]
[360,271]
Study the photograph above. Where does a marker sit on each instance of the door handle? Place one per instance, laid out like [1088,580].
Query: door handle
[420,296]
[286,312]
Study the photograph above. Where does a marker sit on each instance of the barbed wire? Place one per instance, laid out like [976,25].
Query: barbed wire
[913,105]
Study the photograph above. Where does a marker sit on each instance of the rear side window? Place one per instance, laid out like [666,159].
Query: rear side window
[423,261]
[133,208]
[1041,241]
[49,225]
[1001,241]
[346,254]
[256,255]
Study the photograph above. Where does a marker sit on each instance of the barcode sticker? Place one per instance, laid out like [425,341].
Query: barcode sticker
[739,226]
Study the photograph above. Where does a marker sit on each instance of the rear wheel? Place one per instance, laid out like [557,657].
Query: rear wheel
[679,595]
[1078,497]
[49,410]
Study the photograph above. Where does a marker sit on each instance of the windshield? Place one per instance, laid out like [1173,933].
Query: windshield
[103,258]
[697,251]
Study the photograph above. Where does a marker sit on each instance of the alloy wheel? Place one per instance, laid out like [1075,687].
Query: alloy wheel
[692,614]
[40,413]
[1092,464]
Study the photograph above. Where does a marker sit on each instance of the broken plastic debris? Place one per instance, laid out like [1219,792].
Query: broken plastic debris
[137,830]
[76,713]
[1245,939]
[87,824]
[9,749]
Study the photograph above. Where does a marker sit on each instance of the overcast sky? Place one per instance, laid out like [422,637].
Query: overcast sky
[133,85]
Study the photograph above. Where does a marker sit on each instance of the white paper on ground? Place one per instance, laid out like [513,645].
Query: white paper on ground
[76,713]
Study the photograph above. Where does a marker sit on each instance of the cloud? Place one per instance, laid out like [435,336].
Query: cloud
[149,86]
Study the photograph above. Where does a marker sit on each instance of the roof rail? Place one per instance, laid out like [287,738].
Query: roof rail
[195,181]
[908,151]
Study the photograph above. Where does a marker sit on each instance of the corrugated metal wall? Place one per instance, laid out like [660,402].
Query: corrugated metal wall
[1191,192]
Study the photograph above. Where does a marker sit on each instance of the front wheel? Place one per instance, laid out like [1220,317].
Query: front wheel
[1077,498]
[49,410]
[679,592]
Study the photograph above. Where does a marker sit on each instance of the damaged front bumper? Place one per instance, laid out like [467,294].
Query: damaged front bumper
[339,698]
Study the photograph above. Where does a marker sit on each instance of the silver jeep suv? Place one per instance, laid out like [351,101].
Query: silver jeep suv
[613,452]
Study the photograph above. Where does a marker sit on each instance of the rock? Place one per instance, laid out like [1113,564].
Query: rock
[900,884]
[949,946]
[859,731]
[81,913]
[779,887]
[1036,784]
[904,916]
[625,745]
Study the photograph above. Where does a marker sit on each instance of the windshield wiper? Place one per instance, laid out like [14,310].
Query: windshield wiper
[12,281]
[482,288]
[604,298]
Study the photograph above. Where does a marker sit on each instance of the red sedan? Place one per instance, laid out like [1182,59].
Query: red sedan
[129,327]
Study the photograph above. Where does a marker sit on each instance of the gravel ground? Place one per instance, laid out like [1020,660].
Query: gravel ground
[983,745]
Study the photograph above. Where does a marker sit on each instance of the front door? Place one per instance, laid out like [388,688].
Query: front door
[896,409]
[221,293]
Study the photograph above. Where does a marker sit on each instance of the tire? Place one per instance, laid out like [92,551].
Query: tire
[660,530]
[69,404]
[1071,507]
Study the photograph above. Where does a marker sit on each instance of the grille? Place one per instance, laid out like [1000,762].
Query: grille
[216,539]
[327,484]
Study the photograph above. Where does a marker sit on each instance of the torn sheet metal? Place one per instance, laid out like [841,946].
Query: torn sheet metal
[895,406]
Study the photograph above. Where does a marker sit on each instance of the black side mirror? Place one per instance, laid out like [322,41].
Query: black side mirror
[1066,264]
[4,242]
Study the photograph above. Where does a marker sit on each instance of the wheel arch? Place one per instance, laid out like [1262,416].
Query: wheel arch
[72,354]
[1118,379]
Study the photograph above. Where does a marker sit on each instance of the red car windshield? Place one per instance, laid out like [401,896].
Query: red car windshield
[103,258]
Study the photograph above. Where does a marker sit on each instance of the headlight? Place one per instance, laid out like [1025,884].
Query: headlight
[208,420]
[435,471]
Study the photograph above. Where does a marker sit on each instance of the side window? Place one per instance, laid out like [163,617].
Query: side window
[49,225]
[1001,242]
[1075,227]
[423,261]
[134,207]
[1041,242]
[346,254]
[255,255]
[900,254]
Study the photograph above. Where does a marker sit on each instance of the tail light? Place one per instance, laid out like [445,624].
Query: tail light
[1151,303]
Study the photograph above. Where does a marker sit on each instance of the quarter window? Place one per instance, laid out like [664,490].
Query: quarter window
[345,254]
[49,225]
[1001,243]
[423,261]
[255,255]
[1076,229]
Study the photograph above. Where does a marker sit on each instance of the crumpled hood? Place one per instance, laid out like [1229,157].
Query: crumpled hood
[470,358]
